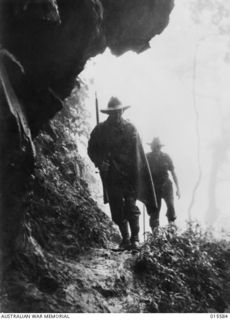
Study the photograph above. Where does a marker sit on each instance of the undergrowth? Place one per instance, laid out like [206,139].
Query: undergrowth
[183,272]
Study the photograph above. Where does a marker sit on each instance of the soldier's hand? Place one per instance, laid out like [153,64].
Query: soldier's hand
[104,167]
[178,193]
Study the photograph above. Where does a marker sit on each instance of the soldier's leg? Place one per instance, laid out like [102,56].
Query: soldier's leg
[116,204]
[169,200]
[132,212]
[154,213]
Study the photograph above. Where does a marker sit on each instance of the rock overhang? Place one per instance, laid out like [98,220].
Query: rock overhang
[53,39]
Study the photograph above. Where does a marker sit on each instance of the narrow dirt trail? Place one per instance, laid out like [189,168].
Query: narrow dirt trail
[102,281]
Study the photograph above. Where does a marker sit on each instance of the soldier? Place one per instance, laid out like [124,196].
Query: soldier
[160,164]
[116,149]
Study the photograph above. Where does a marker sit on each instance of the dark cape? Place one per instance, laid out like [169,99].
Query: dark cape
[120,144]
[146,191]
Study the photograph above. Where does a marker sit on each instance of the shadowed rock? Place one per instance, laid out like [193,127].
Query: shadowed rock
[53,39]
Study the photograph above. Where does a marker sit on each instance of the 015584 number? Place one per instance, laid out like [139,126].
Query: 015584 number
[218,316]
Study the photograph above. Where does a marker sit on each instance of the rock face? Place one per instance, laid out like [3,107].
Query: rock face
[52,39]
[130,25]
[44,45]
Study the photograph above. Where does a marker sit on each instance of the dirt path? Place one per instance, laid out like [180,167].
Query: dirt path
[103,282]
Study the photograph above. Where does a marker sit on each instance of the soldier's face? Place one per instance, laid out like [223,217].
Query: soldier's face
[116,116]
[156,149]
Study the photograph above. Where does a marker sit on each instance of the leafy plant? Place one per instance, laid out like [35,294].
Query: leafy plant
[184,272]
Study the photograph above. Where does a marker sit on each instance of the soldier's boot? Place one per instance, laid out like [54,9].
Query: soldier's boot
[135,228]
[124,230]
[154,223]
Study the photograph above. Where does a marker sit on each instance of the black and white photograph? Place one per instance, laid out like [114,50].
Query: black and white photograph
[114,158]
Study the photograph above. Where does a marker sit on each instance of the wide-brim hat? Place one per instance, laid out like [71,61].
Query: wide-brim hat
[155,143]
[114,105]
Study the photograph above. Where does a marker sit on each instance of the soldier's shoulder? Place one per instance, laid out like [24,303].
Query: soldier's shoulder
[129,124]
[166,156]
[97,130]
[99,126]
[148,155]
